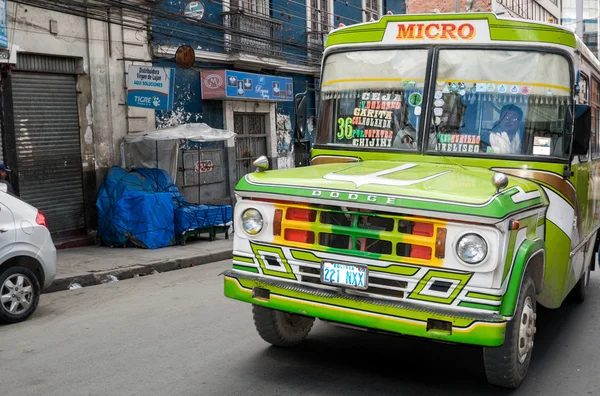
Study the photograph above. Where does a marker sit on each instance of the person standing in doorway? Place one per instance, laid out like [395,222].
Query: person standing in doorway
[3,175]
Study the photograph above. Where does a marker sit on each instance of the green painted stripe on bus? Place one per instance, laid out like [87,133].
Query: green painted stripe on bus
[479,306]
[248,260]
[245,268]
[483,296]
[305,256]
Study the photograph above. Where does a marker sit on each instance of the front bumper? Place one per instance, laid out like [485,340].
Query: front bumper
[380,314]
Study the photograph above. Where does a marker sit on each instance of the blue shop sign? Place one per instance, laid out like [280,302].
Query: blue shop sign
[229,84]
[150,87]
[3,25]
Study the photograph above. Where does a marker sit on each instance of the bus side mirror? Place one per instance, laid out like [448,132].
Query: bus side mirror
[300,116]
[582,130]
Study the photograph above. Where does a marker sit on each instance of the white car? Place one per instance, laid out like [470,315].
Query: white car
[27,257]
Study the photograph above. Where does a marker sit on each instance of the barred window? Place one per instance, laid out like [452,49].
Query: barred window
[372,9]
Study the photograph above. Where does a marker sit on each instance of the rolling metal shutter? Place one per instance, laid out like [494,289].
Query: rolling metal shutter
[48,143]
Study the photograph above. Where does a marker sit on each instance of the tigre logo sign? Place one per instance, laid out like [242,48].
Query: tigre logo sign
[436,31]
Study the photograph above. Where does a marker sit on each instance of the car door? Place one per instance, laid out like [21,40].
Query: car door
[8,234]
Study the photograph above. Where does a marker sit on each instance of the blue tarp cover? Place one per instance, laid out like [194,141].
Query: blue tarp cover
[144,208]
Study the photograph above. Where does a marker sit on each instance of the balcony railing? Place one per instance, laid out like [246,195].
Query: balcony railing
[252,33]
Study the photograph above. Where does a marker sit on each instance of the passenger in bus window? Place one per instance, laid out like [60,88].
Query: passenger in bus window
[507,133]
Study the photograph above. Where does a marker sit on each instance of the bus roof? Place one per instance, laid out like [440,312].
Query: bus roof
[454,27]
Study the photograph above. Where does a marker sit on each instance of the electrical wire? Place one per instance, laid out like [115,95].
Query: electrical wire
[186,34]
[193,23]
[99,12]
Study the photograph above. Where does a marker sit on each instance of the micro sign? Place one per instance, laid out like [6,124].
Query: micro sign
[436,31]
[417,32]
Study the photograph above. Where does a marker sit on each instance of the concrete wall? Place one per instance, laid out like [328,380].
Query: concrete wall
[104,116]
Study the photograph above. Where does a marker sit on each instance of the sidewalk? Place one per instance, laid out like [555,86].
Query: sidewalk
[91,265]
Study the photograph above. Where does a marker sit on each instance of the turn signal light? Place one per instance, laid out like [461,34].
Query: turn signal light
[420,252]
[299,214]
[277,222]
[299,236]
[440,243]
[423,229]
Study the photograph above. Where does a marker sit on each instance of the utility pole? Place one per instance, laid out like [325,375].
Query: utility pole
[457,5]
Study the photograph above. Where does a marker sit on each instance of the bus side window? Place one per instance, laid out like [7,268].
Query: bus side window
[583,89]
[595,99]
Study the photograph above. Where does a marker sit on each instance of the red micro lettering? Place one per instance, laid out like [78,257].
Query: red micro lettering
[448,31]
[420,29]
[406,32]
[428,31]
[466,31]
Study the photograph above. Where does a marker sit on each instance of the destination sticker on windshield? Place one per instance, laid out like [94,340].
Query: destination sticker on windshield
[458,143]
[415,99]
[541,145]
[368,123]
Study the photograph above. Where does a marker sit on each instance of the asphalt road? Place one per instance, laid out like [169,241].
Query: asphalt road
[176,334]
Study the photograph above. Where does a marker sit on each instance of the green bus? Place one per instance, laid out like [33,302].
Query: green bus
[453,187]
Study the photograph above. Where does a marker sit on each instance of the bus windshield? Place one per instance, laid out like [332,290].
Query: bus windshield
[485,102]
[372,98]
[500,102]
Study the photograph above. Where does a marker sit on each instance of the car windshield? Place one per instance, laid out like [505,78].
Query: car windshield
[372,98]
[495,102]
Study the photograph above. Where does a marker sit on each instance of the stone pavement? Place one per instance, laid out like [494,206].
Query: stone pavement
[91,265]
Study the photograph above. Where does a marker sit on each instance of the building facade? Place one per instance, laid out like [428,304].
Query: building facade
[583,20]
[537,10]
[251,58]
[63,106]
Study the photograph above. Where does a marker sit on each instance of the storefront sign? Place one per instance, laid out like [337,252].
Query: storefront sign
[150,87]
[228,84]
[3,25]
[194,9]
[473,31]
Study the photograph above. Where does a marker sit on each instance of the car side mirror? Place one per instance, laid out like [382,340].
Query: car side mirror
[582,129]
[300,116]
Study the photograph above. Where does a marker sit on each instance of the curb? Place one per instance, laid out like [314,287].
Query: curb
[96,278]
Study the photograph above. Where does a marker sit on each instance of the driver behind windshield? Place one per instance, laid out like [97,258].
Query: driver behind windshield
[507,134]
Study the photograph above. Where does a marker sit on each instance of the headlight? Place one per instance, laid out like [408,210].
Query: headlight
[252,221]
[471,248]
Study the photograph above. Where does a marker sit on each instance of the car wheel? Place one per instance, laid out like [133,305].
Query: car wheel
[507,364]
[281,328]
[19,294]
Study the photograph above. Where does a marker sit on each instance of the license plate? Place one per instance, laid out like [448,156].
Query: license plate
[346,275]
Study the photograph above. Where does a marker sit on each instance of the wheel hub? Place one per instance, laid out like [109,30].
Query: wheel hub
[526,329]
[16,294]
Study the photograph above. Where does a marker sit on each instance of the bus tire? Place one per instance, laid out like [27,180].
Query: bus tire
[580,290]
[281,328]
[507,364]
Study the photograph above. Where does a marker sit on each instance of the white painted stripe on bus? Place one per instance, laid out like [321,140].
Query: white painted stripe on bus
[560,212]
